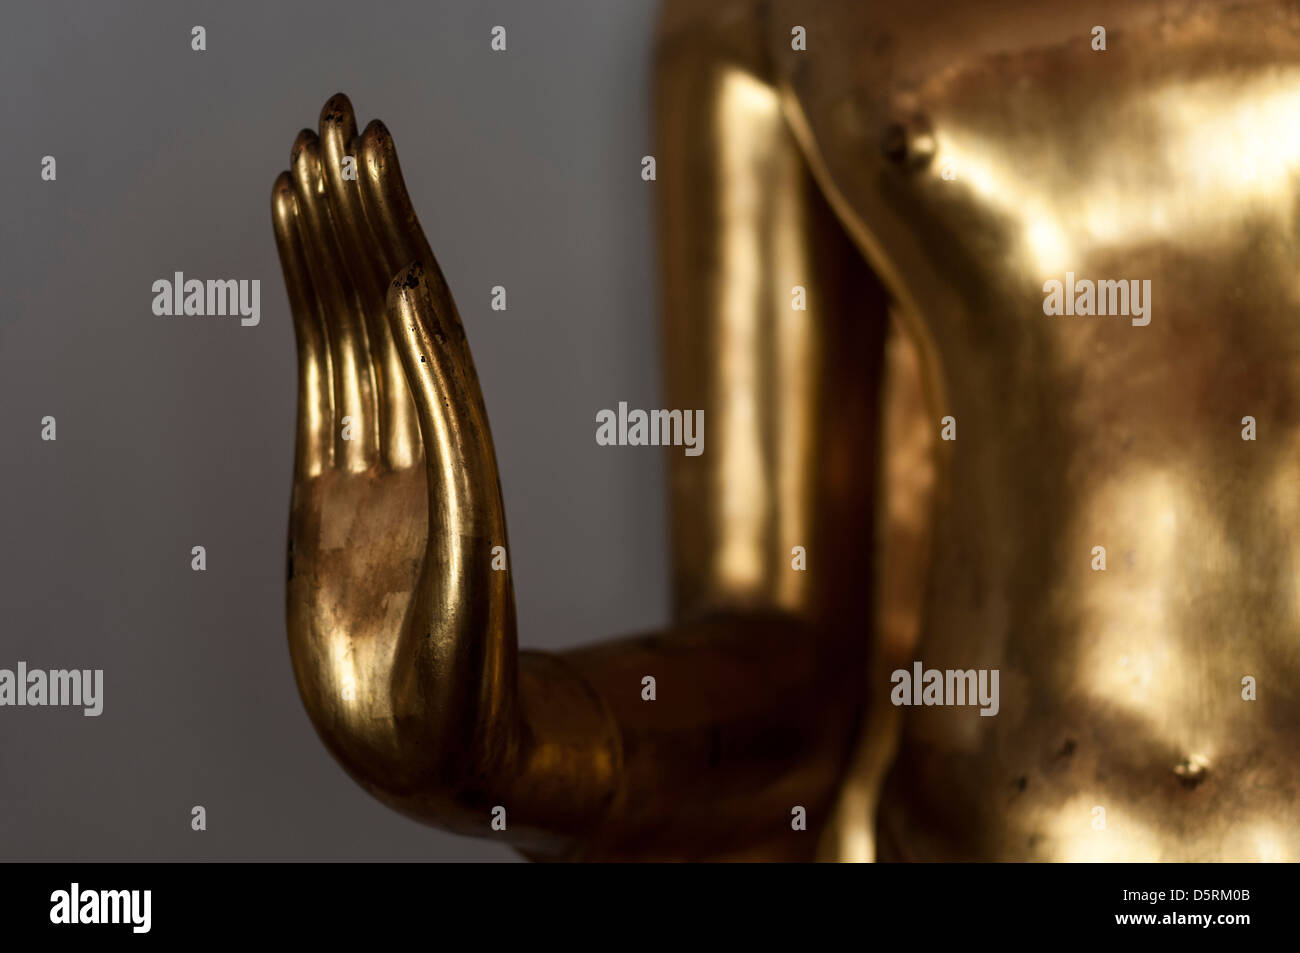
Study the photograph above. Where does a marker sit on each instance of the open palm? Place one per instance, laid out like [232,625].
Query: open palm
[401,630]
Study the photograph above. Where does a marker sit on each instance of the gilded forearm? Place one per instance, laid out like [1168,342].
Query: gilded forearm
[723,727]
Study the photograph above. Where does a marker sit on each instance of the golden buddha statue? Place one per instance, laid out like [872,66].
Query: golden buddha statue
[988,308]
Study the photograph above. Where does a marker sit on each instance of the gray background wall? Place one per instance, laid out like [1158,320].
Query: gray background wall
[524,168]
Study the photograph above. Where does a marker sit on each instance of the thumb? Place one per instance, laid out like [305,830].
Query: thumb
[461,646]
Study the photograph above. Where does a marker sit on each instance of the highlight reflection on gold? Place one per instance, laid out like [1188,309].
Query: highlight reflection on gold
[1226,147]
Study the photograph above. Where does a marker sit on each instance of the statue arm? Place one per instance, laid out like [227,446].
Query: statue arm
[759,683]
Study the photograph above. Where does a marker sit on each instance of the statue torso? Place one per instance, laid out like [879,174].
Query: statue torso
[976,155]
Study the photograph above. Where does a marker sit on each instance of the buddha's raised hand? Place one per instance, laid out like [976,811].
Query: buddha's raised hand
[400,607]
